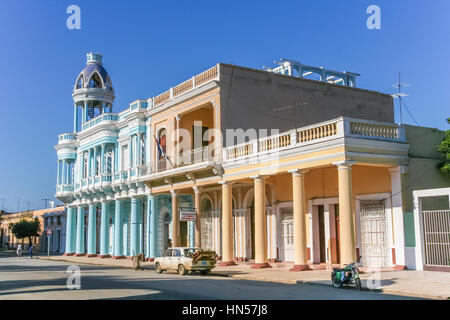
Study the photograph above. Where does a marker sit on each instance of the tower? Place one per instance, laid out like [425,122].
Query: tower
[93,92]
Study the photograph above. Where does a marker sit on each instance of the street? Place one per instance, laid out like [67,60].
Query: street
[25,278]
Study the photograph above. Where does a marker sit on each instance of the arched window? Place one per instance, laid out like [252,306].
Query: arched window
[80,82]
[95,81]
[109,156]
[162,143]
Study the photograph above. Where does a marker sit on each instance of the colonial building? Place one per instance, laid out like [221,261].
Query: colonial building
[7,238]
[53,219]
[275,165]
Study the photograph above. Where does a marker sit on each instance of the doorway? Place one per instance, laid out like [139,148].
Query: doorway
[183,233]
[166,237]
[322,245]
[252,227]
[287,235]
[336,217]
[374,233]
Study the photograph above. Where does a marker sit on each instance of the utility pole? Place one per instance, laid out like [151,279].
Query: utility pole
[18,204]
[28,203]
[3,206]
[45,202]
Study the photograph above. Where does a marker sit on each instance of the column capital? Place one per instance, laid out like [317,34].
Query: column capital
[224,182]
[259,177]
[174,193]
[344,164]
[298,172]
[196,189]
[178,117]
[398,169]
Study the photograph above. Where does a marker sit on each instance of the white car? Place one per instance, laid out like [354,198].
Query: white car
[184,259]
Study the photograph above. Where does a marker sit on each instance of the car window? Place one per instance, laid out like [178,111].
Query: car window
[168,253]
[176,253]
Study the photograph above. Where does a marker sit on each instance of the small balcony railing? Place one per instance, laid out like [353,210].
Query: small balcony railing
[99,119]
[191,157]
[67,137]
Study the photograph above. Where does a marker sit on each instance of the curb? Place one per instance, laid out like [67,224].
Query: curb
[292,282]
[365,289]
[89,263]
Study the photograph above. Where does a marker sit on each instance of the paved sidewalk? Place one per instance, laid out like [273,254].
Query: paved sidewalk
[427,284]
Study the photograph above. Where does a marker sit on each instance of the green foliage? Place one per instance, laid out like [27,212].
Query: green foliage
[444,149]
[26,229]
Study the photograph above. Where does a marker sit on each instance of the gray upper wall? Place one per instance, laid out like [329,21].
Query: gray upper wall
[249,96]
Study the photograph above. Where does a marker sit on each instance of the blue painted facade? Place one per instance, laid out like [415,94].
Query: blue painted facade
[111,212]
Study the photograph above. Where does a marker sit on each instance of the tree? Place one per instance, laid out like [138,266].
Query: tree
[444,149]
[26,229]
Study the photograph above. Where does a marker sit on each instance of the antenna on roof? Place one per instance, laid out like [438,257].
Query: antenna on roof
[399,95]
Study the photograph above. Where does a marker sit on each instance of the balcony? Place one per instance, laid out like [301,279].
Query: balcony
[67,138]
[195,82]
[64,192]
[197,156]
[106,118]
[321,132]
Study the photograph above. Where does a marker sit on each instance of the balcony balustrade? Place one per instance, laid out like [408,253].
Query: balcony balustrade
[328,130]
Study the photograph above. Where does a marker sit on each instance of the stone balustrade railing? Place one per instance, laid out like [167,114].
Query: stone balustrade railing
[332,129]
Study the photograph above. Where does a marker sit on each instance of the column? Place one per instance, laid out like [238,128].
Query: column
[58,180]
[134,234]
[138,149]
[75,118]
[104,231]
[346,219]
[116,157]
[227,224]
[152,223]
[67,172]
[92,228]
[94,171]
[298,197]
[80,232]
[177,141]
[118,231]
[198,221]
[81,155]
[85,112]
[397,173]
[102,159]
[90,163]
[260,224]
[130,153]
[175,221]
[70,221]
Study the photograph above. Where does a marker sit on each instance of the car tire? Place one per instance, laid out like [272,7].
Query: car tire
[158,268]
[205,272]
[181,270]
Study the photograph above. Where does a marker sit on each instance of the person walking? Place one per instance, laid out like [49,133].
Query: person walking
[19,250]
[31,251]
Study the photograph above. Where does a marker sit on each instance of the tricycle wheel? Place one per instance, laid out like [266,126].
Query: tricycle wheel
[358,283]
[335,283]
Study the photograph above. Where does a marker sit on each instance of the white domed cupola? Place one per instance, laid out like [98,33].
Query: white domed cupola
[93,91]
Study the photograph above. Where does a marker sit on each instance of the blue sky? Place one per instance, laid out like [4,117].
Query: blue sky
[149,46]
